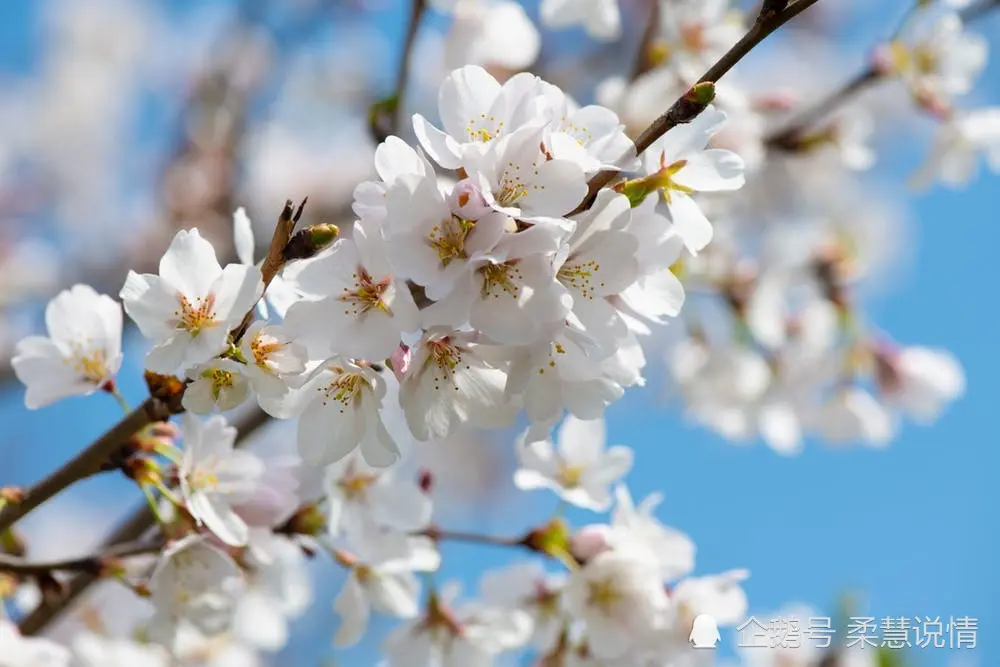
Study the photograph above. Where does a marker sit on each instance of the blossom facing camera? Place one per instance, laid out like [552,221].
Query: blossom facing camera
[189,309]
[81,354]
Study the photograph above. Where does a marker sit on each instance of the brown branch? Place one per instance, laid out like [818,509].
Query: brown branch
[385,116]
[132,528]
[93,563]
[438,534]
[644,60]
[88,462]
[685,109]
[275,259]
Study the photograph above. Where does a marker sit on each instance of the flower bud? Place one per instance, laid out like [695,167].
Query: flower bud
[310,241]
[399,362]
[467,200]
[590,541]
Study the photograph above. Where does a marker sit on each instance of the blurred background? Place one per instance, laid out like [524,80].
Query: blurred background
[122,121]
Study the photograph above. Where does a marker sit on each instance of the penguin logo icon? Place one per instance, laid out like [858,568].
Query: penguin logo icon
[704,632]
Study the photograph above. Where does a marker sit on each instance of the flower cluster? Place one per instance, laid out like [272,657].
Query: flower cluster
[514,266]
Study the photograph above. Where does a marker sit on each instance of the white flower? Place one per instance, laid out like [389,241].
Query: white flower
[214,477]
[518,179]
[511,296]
[673,550]
[591,136]
[681,165]
[528,588]
[620,598]
[718,595]
[432,240]
[469,636]
[451,381]
[601,18]
[342,413]
[381,577]
[581,471]
[565,372]
[699,32]
[362,311]
[195,583]
[274,363]
[491,32]
[393,158]
[278,589]
[21,651]
[853,414]
[82,353]
[475,110]
[189,309]
[359,496]
[601,260]
[281,293]
[940,57]
[92,650]
[920,380]
[954,157]
[217,384]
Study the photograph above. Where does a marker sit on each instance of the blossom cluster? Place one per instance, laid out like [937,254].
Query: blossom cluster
[485,283]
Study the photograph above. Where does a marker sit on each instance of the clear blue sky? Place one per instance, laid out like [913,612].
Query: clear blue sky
[913,529]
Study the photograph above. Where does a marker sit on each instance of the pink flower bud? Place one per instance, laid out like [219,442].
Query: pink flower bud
[400,361]
[590,541]
[467,200]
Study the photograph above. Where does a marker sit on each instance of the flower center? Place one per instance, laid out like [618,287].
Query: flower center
[555,349]
[579,277]
[500,279]
[604,595]
[512,187]
[354,486]
[446,357]
[263,349]
[368,293]
[346,388]
[220,379]
[196,316]
[488,130]
[91,366]
[570,475]
[448,238]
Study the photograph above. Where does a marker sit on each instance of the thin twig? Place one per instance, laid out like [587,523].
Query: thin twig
[684,110]
[417,9]
[644,60]
[88,462]
[787,137]
[284,229]
[91,563]
[438,534]
[132,528]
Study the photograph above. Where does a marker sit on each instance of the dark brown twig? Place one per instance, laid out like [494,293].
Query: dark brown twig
[684,110]
[93,563]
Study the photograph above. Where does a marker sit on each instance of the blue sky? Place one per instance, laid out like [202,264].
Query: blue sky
[911,530]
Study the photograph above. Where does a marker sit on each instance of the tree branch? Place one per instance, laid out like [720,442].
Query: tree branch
[684,110]
[88,462]
[384,117]
[132,528]
[93,563]
[787,137]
